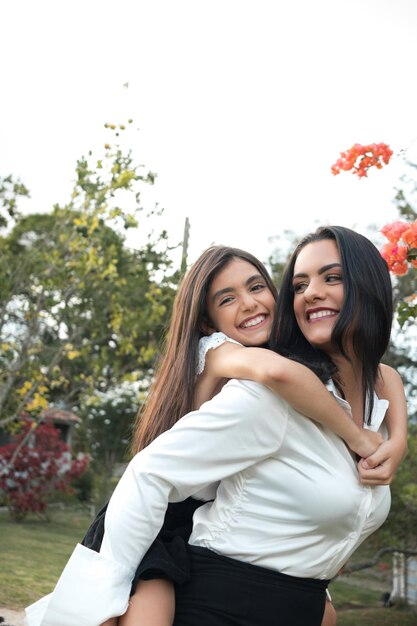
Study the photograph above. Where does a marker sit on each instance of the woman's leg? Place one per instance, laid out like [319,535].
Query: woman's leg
[152,604]
[329,617]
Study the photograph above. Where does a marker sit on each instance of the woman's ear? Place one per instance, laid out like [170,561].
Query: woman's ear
[206,327]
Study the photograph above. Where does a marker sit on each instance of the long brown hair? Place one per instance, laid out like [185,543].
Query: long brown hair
[172,392]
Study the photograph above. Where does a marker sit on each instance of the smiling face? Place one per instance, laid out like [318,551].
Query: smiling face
[318,292]
[240,304]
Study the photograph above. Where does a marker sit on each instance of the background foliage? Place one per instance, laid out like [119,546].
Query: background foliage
[82,313]
[82,316]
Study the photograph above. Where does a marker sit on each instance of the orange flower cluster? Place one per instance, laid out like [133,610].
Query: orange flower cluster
[401,248]
[360,158]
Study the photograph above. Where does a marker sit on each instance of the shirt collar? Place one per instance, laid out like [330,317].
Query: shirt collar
[378,412]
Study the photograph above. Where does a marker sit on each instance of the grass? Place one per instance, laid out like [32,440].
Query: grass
[362,606]
[34,553]
[347,596]
[376,617]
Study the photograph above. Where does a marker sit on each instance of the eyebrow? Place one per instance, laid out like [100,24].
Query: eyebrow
[250,280]
[323,269]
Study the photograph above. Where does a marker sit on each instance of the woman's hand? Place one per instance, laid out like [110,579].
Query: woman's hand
[380,467]
[365,442]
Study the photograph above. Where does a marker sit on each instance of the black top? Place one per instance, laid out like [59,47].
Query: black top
[167,557]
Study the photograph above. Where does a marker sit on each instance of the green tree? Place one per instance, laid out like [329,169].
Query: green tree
[10,191]
[80,311]
[284,244]
[106,428]
[400,528]
[402,353]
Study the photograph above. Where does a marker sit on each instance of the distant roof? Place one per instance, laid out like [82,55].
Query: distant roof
[60,415]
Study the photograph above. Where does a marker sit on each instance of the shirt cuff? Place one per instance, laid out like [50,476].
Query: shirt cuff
[91,589]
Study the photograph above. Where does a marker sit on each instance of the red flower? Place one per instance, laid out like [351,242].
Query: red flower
[396,255]
[396,258]
[409,236]
[393,232]
[360,158]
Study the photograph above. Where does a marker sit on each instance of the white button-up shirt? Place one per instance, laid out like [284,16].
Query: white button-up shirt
[289,500]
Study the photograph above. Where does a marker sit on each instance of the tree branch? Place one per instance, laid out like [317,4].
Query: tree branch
[355,567]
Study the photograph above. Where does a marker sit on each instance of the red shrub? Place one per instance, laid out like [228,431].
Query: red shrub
[35,466]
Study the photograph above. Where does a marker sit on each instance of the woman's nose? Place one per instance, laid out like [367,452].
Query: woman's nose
[248,302]
[314,291]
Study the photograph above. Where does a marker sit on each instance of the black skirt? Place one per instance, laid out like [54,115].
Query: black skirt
[168,556]
[226,592]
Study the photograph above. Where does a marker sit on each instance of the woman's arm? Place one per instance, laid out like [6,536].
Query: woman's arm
[294,382]
[241,426]
[380,467]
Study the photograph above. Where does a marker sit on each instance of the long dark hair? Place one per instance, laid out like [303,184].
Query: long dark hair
[172,393]
[366,314]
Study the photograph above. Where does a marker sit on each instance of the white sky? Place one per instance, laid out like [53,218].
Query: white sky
[242,106]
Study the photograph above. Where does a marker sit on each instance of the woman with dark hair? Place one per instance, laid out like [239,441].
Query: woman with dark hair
[269,530]
[361,330]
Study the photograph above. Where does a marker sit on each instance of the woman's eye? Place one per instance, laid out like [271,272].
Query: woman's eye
[226,300]
[299,287]
[333,278]
[257,287]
